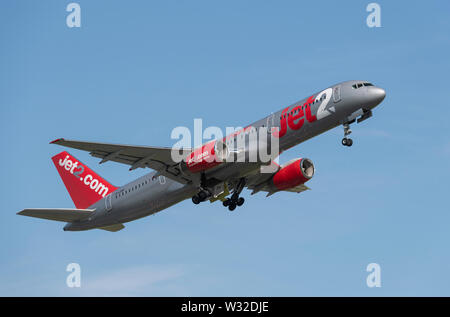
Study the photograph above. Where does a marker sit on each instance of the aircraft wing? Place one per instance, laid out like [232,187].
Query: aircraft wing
[57,214]
[157,158]
[160,159]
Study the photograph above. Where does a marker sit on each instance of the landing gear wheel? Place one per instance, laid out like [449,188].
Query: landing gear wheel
[196,200]
[346,141]
[349,142]
[232,206]
[235,200]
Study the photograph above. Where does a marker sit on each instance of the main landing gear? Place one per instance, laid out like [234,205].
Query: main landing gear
[232,202]
[235,200]
[201,196]
[347,141]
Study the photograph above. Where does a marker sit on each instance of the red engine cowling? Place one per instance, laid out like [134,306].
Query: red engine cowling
[298,172]
[208,156]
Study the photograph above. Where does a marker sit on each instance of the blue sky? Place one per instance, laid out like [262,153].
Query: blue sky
[135,70]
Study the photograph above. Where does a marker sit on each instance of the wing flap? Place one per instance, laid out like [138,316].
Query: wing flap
[57,214]
[298,189]
[113,228]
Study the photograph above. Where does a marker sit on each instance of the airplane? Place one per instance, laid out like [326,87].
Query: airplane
[206,172]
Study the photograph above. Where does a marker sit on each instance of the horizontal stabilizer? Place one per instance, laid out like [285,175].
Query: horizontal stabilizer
[113,228]
[58,214]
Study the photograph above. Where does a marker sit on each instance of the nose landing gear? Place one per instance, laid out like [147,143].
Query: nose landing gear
[347,141]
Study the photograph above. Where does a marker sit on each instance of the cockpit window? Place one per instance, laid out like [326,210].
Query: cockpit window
[359,85]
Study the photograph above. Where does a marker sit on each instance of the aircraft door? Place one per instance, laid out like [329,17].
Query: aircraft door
[270,123]
[108,203]
[337,93]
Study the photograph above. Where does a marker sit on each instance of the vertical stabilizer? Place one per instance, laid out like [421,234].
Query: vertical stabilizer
[84,185]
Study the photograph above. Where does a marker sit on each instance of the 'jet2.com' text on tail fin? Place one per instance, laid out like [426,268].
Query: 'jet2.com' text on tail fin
[84,185]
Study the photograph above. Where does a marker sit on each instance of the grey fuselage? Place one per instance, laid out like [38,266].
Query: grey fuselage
[152,193]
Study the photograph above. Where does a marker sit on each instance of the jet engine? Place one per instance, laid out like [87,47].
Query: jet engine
[293,174]
[208,156]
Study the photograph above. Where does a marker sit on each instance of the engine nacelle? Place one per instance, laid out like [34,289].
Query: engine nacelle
[296,173]
[208,156]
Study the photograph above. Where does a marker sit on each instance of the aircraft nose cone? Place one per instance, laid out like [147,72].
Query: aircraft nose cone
[377,94]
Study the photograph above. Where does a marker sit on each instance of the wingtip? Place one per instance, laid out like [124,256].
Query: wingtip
[56,141]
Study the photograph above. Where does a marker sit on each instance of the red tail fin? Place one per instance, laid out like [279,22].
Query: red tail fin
[84,186]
